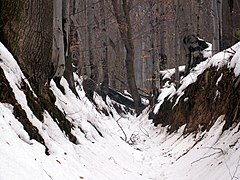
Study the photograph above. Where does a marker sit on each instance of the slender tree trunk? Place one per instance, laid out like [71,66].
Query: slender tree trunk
[89,16]
[104,43]
[163,38]
[200,18]
[77,42]
[153,47]
[177,44]
[67,28]
[216,27]
[123,19]
[58,57]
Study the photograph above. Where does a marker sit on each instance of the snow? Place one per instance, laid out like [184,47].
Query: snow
[168,90]
[150,154]
[167,74]
[207,53]
[218,60]
[235,62]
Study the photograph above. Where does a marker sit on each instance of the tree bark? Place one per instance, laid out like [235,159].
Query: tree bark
[104,44]
[177,44]
[67,28]
[216,27]
[58,56]
[26,29]
[90,26]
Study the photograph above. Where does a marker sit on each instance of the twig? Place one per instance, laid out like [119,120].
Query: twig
[62,100]
[47,174]
[215,148]
[190,148]
[125,139]
[132,139]
[232,49]
[204,158]
[221,151]
[238,164]
[229,171]
[144,132]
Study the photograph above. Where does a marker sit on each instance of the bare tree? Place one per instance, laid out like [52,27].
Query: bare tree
[122,15]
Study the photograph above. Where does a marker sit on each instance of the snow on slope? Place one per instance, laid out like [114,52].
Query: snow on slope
[152,155]
[93,158]
[218,60]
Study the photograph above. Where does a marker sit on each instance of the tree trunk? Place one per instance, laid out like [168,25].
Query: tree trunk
[58,57]
[216,27]
[67,28]
[89,16]
[177,44]
[123,19]
[231,23]
[163,55]
[153,48]
[104,44]
[26,30]
[76,41]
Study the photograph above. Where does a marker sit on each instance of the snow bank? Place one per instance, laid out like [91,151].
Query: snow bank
[153,154]
[93,158]
[218,60]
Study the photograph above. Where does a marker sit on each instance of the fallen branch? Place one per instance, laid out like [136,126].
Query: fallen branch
[190,148]
[214,148]
[204,157]
[144,132]
[221,151]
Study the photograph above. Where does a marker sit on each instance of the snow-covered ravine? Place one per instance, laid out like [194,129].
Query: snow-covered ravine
[130,147]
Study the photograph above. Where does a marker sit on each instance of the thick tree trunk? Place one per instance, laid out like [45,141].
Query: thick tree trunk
[26,29]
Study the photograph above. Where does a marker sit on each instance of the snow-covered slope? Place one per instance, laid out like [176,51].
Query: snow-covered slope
[100,152]
[218,60]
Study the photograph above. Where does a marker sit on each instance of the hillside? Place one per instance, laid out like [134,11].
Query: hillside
[197,133]
[210,90]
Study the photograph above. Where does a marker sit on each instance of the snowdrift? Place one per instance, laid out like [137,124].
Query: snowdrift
[82,142]
[210,90]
